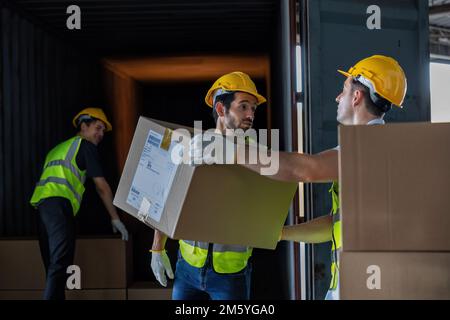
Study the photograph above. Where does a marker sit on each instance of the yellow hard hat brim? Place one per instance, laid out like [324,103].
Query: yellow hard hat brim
[259,98]
[107,124]
[344,73]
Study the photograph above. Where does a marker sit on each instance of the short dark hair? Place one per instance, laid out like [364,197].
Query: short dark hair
[226,99]
[377,109]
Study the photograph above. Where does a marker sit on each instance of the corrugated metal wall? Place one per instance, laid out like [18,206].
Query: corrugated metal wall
[43,84]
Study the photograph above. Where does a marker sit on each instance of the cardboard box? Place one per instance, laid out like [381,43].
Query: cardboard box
[21,294]
[90,294]
[104,294]
[21,266]
[394,275]
[226,204]
[395,187]
[104,263]
[149,291]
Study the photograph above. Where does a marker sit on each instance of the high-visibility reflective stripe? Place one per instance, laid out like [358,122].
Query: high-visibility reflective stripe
[67,164]
[225,248]
[63,182]
[217,247]
[198,244]
[337,250]
[226,258]
[336,217]
[73,149]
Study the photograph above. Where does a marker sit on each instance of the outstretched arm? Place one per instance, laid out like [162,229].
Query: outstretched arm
[299,167]
[315,231]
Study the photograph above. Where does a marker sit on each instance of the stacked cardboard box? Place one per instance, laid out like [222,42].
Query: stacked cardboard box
[149,291]
[395,187]
[105,266]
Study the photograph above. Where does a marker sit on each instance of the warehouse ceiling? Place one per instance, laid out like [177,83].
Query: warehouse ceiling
[160,25]
[439,23]
[179,25]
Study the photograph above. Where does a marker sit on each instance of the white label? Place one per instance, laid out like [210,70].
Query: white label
[153,179]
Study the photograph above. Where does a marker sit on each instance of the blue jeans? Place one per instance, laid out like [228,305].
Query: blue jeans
[204,283]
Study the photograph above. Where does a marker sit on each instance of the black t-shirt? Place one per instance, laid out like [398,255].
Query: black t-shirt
[89,160]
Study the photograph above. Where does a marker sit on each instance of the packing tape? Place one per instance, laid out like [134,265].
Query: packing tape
[167,139]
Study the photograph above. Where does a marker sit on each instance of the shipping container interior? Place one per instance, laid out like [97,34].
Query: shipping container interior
[131,58]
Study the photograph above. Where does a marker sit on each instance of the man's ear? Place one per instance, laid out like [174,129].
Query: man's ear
[83,126]
[220,108]
[358,97]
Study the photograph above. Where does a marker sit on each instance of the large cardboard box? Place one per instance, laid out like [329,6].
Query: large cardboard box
[21,266]
[225,204]
[394,275]
[104,263]
[395,187]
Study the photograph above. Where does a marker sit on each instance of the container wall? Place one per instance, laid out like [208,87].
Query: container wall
[44,83]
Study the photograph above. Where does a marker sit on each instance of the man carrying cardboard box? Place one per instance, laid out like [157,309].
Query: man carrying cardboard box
[372,86]
[59,192]
[206,270]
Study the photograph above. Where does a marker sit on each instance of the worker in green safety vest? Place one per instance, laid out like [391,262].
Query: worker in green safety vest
[371,87]
[210,270]
[59,192]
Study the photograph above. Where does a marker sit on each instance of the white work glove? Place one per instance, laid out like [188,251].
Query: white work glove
[117,225]
[160,266]
[202,150]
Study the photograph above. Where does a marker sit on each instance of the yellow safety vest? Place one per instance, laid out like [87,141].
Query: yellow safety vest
[336,235]
[226,258]
[61,176]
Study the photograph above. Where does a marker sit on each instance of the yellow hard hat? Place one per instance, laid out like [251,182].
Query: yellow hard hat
[234,81]
[96,113]
[382,75]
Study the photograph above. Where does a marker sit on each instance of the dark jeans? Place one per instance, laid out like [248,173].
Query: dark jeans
[57,244]
[204,283]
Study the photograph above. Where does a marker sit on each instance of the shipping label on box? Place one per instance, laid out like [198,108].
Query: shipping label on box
[153,178]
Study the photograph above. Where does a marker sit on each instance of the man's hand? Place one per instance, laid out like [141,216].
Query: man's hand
[117,225]
[160,266]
